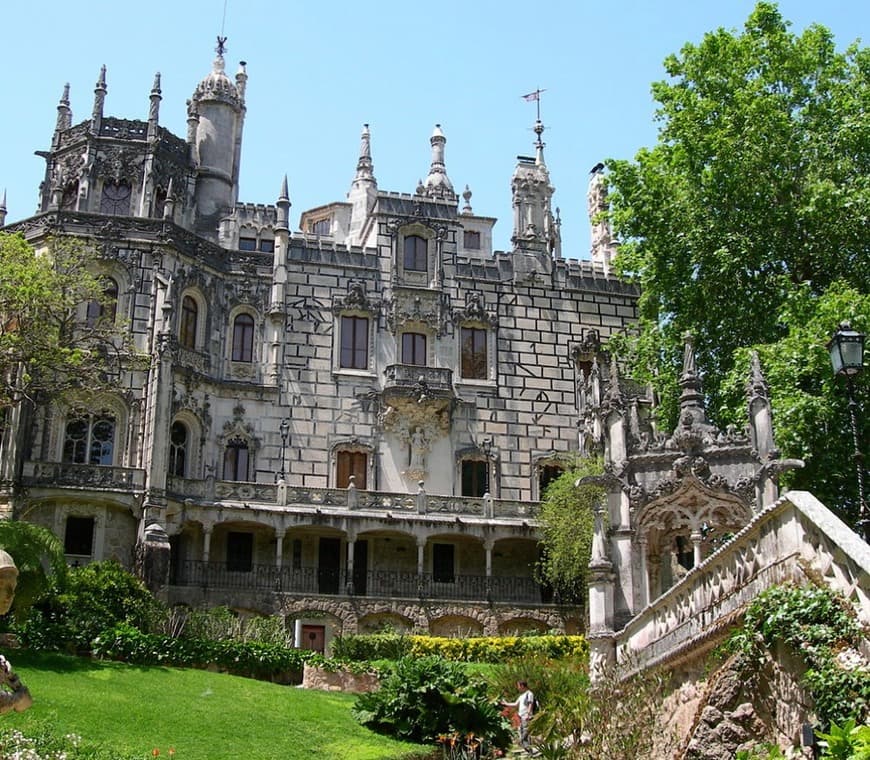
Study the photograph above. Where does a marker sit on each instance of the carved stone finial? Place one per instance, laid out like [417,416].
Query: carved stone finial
[466,196]
[756,386]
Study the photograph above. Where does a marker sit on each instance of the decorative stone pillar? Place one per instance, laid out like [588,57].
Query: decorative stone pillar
[487,548]
[421,554]
[644,572]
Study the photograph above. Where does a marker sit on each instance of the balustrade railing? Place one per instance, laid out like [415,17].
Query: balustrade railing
[377,583]
[82,476]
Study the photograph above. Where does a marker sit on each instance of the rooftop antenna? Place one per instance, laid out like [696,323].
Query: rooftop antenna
[224,19]
[222,40]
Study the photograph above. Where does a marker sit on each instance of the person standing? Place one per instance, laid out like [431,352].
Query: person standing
[525,705]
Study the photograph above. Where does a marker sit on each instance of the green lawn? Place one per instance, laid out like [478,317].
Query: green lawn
[203,716]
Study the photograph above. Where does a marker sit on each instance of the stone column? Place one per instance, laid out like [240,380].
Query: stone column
[421,549]
[487,547]
[644,573]
[697,537]
[279,548]
[206,541]
[351,546]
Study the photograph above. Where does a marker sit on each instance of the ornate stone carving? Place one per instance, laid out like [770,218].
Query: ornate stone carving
[424,307]
[475,311]
[356,299]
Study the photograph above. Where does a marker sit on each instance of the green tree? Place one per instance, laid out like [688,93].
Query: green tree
[48,347]
[756,197]
[39,557]
[566,528]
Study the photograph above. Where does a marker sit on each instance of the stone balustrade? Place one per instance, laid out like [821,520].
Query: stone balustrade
[62,474]
[269,495]
[797,540]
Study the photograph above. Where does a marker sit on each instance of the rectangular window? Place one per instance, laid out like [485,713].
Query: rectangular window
[471,240]
[414,349]
[474,477]
[443,570]
[416,253]
[354,343]
[547,474]
[473,363]
[236,461]
[247,244]
[321,226]
[267,246]
[79,536]
[240,552]
[351,463]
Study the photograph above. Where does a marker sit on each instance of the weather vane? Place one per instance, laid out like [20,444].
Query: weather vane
[221,43]
[535,96]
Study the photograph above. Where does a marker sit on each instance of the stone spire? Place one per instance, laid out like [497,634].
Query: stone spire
[154,107]
[437,184]
[534,227]
[283,219]
[99,101]
[603,246]
[694,430]
[64,115]
[3,208]
[364,166]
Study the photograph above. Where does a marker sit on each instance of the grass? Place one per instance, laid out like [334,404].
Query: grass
[202,715]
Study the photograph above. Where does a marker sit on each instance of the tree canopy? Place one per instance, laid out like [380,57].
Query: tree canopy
[57,331]
[747,225]
[566,531]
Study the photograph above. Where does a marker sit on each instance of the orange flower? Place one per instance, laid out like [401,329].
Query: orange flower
[172,752]
[155,752]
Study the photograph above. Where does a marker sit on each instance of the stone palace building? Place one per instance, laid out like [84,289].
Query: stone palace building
[350,424]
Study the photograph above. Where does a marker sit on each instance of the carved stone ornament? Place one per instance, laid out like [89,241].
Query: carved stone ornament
[118,164]
[406,414]
[355,299]
[475,311]
[428,308]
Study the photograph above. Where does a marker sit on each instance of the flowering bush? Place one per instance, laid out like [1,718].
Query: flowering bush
[47,745]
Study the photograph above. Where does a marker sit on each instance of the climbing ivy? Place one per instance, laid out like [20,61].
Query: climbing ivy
[817,625]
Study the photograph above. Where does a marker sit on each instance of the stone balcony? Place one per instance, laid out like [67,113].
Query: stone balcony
[420,383]
[268,496]
[79,476]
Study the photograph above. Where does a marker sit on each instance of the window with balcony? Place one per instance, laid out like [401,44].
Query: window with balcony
[237,460]
[240,552]
[414,349]
[474,480]
[178,443]
[351,463]
[416,254]
[243,338]
[189,317]
[115,199]
[443,563]
[90,439]
[473,355]
[354,343]
[78,537]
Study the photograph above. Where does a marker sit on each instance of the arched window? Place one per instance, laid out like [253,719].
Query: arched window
[243,338]
[115,199]
[414,349]
[236,460]
[416,253]
[178,440]
[105,310]
[90,439]
[187,328]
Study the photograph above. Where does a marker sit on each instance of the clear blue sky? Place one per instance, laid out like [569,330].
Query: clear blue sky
[319,70]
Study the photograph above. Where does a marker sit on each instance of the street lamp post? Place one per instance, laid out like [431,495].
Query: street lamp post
[486,445]
[846,348]
[285,435]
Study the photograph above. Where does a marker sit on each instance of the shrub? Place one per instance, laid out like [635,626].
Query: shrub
[492,649]
[91,599]
[252,659]
[425,698]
